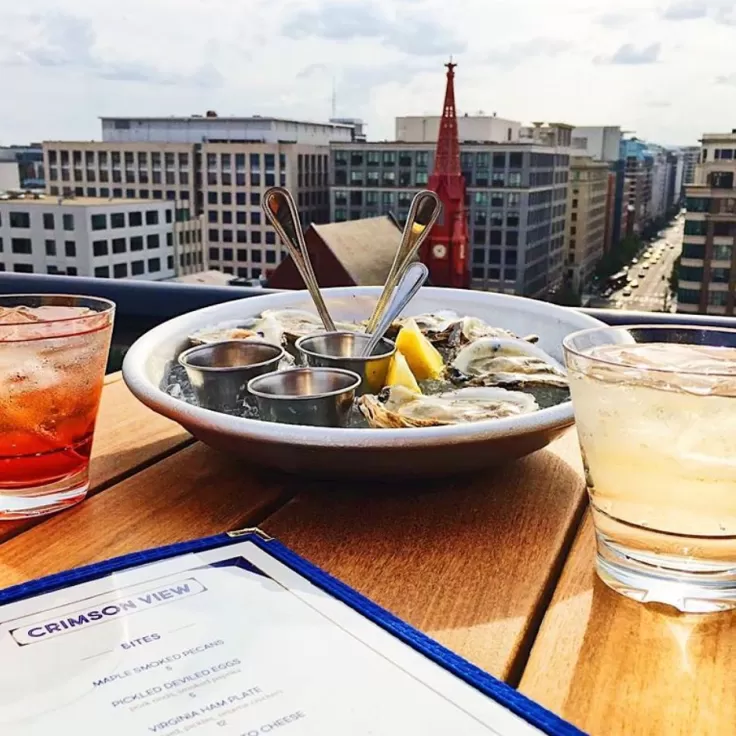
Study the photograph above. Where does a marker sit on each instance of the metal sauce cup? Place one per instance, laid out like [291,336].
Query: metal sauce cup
[219,372]
[337,350]
[320,397]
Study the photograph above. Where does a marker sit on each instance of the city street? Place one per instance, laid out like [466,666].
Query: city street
[651,274]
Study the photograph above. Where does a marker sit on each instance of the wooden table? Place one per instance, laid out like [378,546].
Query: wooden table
[498,567]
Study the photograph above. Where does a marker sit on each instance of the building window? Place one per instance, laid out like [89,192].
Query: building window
[118,245]
[154,265]
[721,252]
[214,254]
[255,237]
[515,160]
[117,220]
[241,236]
[213,235]
[99,222]
[48,221]
[20,219]
[68,222]
[23,268]
[135,219]
[137,268]
[693,250]
[120,270]
[71,271]
[102,272]
[70,249]
[136,242]
[496,237]
[50,247]
[170,261]
[21,245]
[152,241]
[99,247]
[717,298]
[688,296]
[718,275]
[152,215]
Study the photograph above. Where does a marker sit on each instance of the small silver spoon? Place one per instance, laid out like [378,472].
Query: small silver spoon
[411,281]
[280,209]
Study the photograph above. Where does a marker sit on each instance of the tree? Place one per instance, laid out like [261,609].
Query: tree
[675,275]
[566,296]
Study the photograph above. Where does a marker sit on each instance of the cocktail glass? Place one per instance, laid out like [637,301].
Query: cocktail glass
[53,355]
[655,409]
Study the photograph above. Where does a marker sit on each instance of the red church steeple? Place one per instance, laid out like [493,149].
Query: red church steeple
[446,250]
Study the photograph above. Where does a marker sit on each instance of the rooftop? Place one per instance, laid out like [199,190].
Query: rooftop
[223,119]
[347,240]
[46,200]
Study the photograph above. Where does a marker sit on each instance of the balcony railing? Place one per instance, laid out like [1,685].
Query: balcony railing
[142,305]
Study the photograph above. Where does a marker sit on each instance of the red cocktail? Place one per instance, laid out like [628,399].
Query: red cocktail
[53,354]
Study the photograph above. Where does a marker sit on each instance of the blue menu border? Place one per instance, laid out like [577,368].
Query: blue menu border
[504,694]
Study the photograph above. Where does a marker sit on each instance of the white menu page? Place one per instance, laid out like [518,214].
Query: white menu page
[225,642]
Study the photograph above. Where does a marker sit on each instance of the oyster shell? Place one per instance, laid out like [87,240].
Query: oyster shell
[507,363]
[447,330]
[277,326]
[225,331]
[399,407]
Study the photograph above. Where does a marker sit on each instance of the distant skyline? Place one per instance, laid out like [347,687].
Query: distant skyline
[662,69]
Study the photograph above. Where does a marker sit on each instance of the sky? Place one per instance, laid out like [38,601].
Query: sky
[662,69]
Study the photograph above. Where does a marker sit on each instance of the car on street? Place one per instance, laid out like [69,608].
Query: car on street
[634,284]
[634,261]
[627,291]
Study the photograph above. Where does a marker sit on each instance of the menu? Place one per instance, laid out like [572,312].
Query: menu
[226,641]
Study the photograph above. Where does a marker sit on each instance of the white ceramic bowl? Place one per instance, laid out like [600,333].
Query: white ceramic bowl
[361,453]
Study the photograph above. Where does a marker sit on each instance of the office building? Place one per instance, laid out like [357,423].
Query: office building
[603,143]
[476,128]
[638,181]
[599,142]
[28,161]
[516,195]
[587,199]
[707,282]
[215,171]
[106,238]
[690,157]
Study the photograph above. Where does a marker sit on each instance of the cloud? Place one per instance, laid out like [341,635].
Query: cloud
[407,32]
[62,40]
[721,11]
[628,54]
[516,53]
[686,10]
[614,20]
[727,79]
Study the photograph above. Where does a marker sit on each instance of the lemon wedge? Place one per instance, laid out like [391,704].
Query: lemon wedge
[423,359]
[399,374]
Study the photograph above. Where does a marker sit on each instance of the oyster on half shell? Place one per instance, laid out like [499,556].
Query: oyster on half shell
[507,363]
[400,407]
[448,330]
[277,326]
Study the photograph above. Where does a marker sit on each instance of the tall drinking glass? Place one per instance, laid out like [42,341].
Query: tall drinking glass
[655,409]
[53,354]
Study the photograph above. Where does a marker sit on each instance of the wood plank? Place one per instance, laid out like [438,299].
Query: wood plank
[195,493]
[614,666]
[128,436]
[470,561]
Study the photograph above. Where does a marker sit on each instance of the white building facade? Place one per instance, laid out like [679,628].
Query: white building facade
[599,142]
[478,128]
[87,237]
